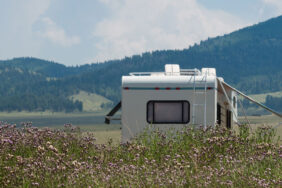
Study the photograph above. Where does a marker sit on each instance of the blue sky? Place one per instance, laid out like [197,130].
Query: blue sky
[76,32]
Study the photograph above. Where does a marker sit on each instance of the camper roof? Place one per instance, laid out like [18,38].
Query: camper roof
[172,76]
[174,70]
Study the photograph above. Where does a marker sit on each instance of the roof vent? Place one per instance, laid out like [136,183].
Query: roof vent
[172,70]
[209,71]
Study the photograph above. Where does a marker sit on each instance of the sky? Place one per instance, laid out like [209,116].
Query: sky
[75,32]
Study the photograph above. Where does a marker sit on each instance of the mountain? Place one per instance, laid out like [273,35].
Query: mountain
[43,67]
[250,59]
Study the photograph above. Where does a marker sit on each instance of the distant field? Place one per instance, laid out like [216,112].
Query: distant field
[48,113]
[256,109]
[87,121]
[91,102]
[261,97]
[267,120]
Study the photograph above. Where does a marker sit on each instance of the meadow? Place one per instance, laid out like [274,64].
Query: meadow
[78,150]
[33,157]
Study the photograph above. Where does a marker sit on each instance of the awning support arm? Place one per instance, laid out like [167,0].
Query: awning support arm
[245,115]
[249,98]
[108,117]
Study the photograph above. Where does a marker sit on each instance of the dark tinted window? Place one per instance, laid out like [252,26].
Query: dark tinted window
[166,112]
[218,114]
[228,118]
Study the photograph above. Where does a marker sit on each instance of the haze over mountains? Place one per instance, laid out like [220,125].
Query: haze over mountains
[250,59]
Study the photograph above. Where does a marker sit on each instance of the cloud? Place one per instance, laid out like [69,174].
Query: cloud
[57,34]
[16,34]
[137,26]
[276,4]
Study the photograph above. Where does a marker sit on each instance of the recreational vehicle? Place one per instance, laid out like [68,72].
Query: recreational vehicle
[175,98]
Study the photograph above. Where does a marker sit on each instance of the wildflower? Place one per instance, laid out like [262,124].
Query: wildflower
[10,156]
[19,159]
[35,184]
[52,148]
[40,148]
[76,163]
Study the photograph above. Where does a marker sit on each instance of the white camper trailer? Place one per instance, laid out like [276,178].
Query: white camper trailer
[175,98]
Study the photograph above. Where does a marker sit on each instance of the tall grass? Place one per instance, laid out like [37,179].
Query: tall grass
[31,157]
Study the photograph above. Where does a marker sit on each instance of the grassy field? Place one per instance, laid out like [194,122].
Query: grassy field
[267,119]
[50,119]
[91,102]
[261,97]
[251,110]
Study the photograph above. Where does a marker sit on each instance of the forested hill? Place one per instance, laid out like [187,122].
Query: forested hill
[42,67]
[249,59]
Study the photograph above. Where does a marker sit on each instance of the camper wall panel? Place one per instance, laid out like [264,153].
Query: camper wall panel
[134,109]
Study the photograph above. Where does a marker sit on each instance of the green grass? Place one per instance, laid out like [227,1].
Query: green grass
[91,102]
[103,137]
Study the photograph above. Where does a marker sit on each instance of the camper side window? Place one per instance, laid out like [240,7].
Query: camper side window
[167,112]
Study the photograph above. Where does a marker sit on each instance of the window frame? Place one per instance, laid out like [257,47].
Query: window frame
[168,101]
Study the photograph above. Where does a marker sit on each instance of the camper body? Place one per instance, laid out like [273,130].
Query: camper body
[173,99]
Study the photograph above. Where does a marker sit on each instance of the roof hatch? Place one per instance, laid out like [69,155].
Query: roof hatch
[172,70]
